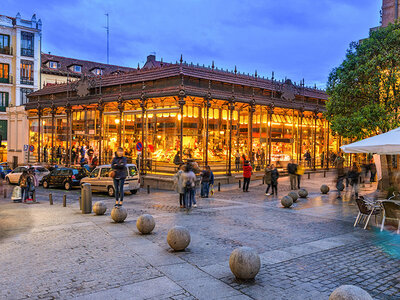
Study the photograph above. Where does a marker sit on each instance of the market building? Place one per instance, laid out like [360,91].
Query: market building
[203,113]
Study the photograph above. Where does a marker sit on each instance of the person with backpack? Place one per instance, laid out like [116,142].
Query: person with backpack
[118,165]
[267,179]
[274,180]
[189,182]
[24,184]
[247,171]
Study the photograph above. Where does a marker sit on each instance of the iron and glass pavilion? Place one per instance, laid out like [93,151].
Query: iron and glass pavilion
[202,113]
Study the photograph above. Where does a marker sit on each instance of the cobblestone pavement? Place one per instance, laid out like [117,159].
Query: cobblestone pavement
[306,251]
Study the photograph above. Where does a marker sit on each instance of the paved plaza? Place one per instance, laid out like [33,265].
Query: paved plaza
[306,251]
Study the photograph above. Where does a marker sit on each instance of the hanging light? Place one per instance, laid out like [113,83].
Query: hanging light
[179,117]
[116,121]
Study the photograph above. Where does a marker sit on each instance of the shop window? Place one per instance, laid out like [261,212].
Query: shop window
[4,73]
[27,44]
[216,113]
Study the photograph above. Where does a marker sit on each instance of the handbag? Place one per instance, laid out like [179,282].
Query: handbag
[112,174]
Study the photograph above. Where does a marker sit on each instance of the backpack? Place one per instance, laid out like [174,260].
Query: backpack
[188,186]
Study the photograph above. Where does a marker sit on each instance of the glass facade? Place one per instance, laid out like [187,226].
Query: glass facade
[210,133]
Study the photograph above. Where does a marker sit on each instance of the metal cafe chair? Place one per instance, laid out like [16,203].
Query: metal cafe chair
[366,209]
[391,211]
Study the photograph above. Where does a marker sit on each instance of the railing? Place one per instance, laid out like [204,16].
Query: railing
[27,52]
[6,50]
[26,81]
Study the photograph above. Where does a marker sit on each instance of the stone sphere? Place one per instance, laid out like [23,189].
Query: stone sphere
[178,238]
[287,201]
[303,193]
[294,196]
[324,189]
[349,292]
[99,208]
[145,223]
[119,214]
[244,263]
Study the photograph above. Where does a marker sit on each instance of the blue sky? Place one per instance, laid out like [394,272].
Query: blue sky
[294,38]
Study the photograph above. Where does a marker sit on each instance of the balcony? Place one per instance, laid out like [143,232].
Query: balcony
[6,50]
[27,52]
[28,81]
[6,80]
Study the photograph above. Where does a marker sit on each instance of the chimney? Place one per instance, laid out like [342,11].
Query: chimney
[151,58]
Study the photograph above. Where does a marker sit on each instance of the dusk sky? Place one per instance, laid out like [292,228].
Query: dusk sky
[295,38]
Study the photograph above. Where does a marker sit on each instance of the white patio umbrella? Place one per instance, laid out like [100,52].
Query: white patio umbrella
[387,143]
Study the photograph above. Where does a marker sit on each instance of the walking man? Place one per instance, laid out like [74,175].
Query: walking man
[292,169]
[247,170]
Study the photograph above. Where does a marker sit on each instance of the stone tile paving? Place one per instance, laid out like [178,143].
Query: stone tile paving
[306,251]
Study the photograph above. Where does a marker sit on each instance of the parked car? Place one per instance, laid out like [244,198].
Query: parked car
[4,169]
[65,177]
[13,177]
[101,182]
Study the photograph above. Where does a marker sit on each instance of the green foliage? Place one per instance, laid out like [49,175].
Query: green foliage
[364,91]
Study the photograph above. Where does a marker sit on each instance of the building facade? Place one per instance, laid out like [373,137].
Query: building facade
[390,11]
[20,47]
[177,109]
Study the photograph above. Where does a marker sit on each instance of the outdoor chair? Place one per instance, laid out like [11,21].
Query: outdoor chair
[391,211]
[366,209]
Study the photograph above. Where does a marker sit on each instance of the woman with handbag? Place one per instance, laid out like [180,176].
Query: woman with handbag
[119,174]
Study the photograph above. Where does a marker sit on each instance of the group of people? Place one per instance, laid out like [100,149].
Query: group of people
[28,183]
[82,155]
[185,181]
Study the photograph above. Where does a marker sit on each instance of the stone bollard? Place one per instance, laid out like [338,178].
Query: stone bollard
[34,196]
[145,223]
[240,184]
[148,189]
[65,200]
[5,192]
[349,292]
[308,175]
[51,199]
[219,186]
[294,196]
[324,189]
[86,198]
[303,193]
[178,238]
[287,201]
[119,214]
[80,202]
[99,208]
[244,263]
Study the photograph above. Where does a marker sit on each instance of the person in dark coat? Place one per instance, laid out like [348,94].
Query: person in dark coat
[354,177]
[118,165]
[372,168]
[267,179]
[274,180]
[205,182]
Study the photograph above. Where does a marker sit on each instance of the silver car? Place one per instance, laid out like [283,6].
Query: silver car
[13,177]
[101,182]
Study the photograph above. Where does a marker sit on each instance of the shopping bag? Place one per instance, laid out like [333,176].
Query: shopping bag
[16,194]
[211,190]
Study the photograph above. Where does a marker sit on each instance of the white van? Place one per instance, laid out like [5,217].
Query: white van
[101,182]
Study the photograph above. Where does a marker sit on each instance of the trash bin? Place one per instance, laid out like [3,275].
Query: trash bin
[86,198]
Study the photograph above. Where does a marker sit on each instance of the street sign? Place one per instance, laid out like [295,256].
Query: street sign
[139,146]
[31,148]
[26,147]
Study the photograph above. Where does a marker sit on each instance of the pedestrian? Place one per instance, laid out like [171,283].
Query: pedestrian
[299,173]
[341,175]
[33,182]
[292,170]
[247,171]
[262,157]
[354,177]
[59,154]
[267,179]
[82,152]
[177,158]
[205,182]
[90,154]
[211,181]
[307,157]
[189,183]
[73,155]
[45,154]
[372,168]
[24,183]
[118,165]
[237,161]
[274,180]
[258,157]
[179,185]
[95,162]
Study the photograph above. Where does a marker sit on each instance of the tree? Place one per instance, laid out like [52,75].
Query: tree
[364,91]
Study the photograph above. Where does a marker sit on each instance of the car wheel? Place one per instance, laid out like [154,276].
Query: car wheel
[8,180]
[111,191]
[133,192]
[45,184]
[67,185]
